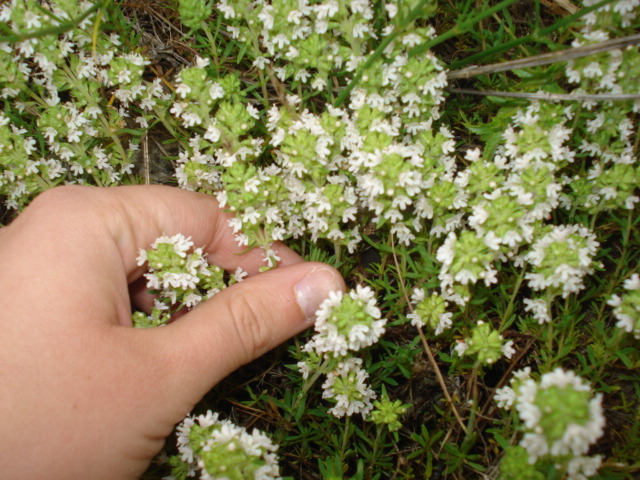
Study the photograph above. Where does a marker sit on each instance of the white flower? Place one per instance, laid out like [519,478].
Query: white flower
[212,134]
[560,398]
[346,385]
[538,307]
[260,62]
[505,397]
[461,347]
[348,322]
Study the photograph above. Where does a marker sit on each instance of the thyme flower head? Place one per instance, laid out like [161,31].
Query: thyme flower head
[561,257]
[430,310]
[486,343]
[346,386]
[218,449]
[347,323]
[180,275]
[560,418]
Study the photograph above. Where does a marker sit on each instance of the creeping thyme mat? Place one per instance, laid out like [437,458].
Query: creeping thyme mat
[470,167]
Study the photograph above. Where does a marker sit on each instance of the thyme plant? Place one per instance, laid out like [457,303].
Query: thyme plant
[487,227]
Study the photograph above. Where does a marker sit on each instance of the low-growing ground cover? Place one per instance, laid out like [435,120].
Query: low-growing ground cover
[470,167]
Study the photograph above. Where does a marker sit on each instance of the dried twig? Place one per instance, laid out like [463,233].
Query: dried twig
[427,349]
[549,96]
[558,6]
[145,159]
[546,58]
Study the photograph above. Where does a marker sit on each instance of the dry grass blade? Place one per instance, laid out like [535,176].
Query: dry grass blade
[546,58]
[560,7]
[550,96]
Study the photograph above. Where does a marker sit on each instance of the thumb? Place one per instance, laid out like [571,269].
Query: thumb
[241,323]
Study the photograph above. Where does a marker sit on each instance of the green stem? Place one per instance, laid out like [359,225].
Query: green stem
[309,382]
[519,41]
[338,251]
[214,49]
[345,437]
[265,93]
[474,402]
[372,465]
[512,298]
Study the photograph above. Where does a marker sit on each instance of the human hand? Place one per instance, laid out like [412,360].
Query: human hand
[83,395]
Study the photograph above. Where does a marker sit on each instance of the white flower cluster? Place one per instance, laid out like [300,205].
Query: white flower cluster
[539,309]
[345,324]
[626,308]
[560,419]
[347,386]
[377,157]
[487,344]
[180,275]
[561,257]
[74,93]
[498,205]
[429,311]
[609,136]
[300,41]
[214,449]
[602,72]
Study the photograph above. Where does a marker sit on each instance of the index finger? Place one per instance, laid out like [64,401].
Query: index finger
[133,217]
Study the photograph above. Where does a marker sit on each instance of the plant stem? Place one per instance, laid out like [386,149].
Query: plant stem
[512,298]
[426,347]
[309,382]
[546,58]
[372,464]
[345,437]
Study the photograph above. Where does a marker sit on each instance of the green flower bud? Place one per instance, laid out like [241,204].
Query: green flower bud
[488,344]
[515,465]
[387,412]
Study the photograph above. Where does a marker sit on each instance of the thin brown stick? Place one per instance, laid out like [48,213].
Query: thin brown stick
[562,7]
[546,58]
[425,344]
[598,97]
[145,159]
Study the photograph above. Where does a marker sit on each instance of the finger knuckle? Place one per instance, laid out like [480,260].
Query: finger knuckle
[250,321]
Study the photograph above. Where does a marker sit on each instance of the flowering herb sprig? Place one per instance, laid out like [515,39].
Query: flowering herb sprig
[345,324]
[180,276]
[388,412]
[347,386]
[561,419]
[210,448]
[73,97]
[429,311]
[309,150]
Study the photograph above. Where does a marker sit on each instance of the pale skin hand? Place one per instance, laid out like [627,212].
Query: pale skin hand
[84,395]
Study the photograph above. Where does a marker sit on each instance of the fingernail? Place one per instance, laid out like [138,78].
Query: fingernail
[314,288]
